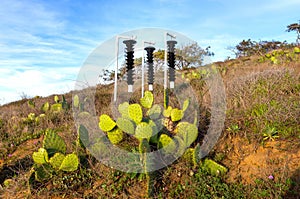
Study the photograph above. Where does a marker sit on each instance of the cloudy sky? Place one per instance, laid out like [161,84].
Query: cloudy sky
[43,44]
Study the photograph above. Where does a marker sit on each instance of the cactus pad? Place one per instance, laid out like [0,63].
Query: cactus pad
[188,132]
[45,107]
[56,107]
[143,130]
[166,143]
[53,143]
[135,113]
[83,135]
[56,99]
[214,168]
[181,148]
[154,112]
[84,115]
[144,146]
[41,156]
[115,136]
[147,100]
[125,125]
[76,101]
[70,163]
[188,155]
[185,105]
[196,155]
[57,160]
[43,172]
[167,112]
[176,115]
[106,123]
[123,109]
[155,130]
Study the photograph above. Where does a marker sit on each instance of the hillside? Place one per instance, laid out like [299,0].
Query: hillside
[259,145]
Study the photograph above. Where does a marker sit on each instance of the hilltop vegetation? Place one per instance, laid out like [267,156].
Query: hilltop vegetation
[259,145]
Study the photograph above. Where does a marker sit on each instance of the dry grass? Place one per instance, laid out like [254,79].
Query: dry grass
[259,96]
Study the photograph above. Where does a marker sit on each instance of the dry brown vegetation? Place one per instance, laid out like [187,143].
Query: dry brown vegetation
[263,102]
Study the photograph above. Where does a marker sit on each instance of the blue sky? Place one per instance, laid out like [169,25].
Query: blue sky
[44,43]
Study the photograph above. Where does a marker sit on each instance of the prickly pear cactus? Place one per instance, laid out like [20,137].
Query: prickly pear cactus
[53,143]
[151,131]
[188,155]
[70,163]
[43,173]
[115,136]
[143,131]
[106,123]
[84,115]
[144,149]
[196,155]
[45,107]
[167,112]
[64,103]
[167,144]
[83,135]
[135,113]
[56,99]
[185,105]
[188,132]
[147,100]
[180,146]
[56,107]
[144,146]
[154,112]
[56,160]
[214,168]
[76,101]
[176,115]
[40,157]
[51,158]
[166,98]
[123,110]
[126,125]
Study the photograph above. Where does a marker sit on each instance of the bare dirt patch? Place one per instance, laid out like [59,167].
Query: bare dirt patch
[248,162]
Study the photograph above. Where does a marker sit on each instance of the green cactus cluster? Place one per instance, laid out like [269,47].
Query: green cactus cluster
[281,56]
[199,73]
[58,106]
[147,123]
[33,119]
[79,104]
[52,157]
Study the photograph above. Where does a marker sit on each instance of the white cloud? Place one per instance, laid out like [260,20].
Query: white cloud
[36,81]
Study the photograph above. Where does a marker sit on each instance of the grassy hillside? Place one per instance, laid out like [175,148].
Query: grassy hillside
[259,145]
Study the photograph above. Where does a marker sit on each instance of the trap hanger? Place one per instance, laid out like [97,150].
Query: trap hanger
[118,37]
[172,36]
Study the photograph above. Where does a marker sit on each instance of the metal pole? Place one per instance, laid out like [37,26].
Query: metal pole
[165,64]
[116,68]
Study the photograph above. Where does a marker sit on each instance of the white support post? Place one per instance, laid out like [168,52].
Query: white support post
[117,67]
[165,64]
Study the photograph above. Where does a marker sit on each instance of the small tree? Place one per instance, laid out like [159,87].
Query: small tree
[191,56]
[295,27]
